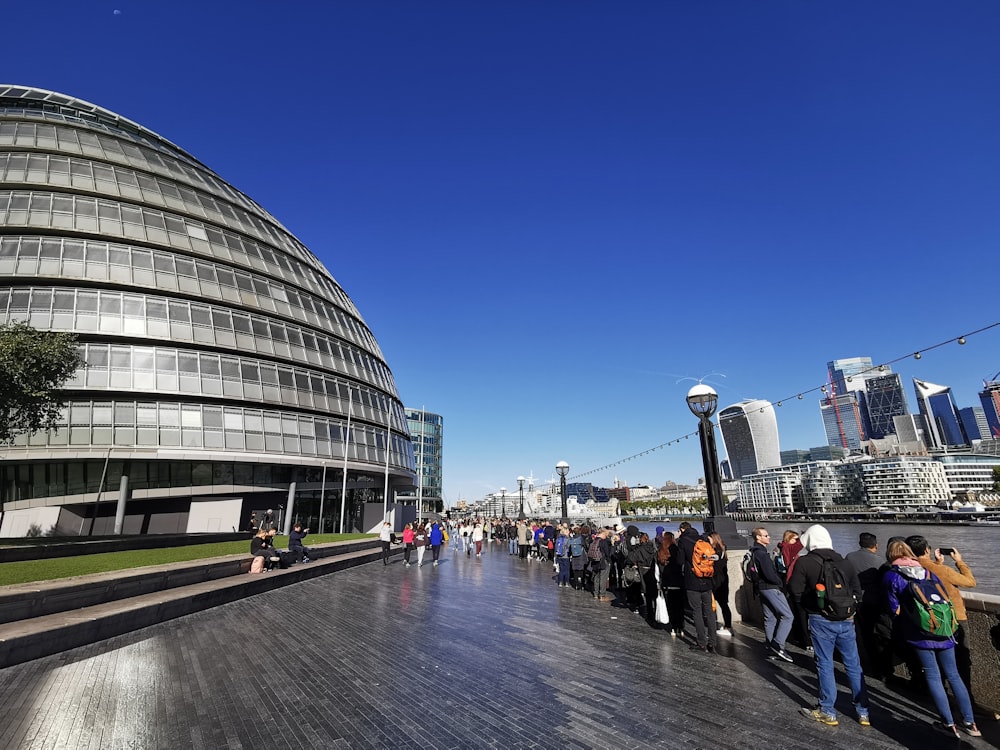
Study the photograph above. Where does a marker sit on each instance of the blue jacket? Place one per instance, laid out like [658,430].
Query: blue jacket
[295,539]
[436,536]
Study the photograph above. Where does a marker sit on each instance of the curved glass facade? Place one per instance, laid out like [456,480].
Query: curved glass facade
[223,359]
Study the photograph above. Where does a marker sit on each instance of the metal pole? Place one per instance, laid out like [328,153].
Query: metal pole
[97,500]
[562,491]
[322,497]
[420,468]
[385,488]
[347,443]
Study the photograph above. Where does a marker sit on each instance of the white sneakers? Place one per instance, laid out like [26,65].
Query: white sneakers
[724,631]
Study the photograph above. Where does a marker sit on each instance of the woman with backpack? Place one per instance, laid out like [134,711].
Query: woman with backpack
[909,588]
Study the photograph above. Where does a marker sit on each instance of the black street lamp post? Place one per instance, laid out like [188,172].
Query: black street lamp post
[563,468]
[520,489]
[702,400]
[503,501]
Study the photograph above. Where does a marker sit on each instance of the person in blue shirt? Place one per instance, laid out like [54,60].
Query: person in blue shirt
[436,537]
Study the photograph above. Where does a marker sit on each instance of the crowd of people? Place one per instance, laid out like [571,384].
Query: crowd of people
[865,606]
[876,611]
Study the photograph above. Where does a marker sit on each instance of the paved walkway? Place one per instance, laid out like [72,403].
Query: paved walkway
[472,654]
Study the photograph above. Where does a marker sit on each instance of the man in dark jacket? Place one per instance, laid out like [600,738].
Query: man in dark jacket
[777,613]
[699,591]
[295,546]
[828,633]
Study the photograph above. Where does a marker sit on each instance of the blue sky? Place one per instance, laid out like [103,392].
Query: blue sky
[550,212]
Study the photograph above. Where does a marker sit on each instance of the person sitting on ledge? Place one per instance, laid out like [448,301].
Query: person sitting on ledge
[295,545]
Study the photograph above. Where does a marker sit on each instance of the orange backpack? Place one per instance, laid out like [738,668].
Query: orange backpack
[703,559]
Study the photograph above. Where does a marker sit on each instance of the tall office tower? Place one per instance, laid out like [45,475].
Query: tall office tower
[750,432]
[427,433]
[849,376]
[940,415]
[974,424]
[227,370]
[842,421]
[989,397]
[886,400]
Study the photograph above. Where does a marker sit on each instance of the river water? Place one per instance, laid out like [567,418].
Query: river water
[979,545]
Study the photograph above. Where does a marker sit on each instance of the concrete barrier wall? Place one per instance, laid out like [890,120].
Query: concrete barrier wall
[24,601]
[982,629]
[46,550]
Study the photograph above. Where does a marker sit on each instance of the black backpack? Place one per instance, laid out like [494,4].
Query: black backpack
[835,601]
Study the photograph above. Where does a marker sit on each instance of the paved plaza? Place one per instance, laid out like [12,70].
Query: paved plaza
[476,653]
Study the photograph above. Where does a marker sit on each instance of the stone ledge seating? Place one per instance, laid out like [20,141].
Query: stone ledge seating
[43,618]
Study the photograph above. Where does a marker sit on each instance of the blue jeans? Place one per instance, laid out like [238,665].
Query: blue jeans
[512,546]
[563,570]
[934,662]
[777,616]
[828,635]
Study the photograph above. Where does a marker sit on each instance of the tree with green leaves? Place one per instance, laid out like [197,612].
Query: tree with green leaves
[996,478]
[34,366]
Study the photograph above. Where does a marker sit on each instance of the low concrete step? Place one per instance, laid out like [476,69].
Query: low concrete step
[34,637]
[40,598]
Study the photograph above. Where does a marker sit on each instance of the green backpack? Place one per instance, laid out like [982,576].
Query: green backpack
[928,607]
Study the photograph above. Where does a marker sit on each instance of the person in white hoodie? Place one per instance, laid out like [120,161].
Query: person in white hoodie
[831,628]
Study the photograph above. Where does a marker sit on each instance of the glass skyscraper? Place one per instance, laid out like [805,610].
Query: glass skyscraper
[226,369]
[885,400]
[427,432]
[750,432]
[939,413]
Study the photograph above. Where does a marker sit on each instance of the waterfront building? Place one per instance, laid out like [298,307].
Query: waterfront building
[969,471]
[226,369]
[989,397]
[772,491]
[885,400]
[587,494]
[750,432]
[905,482]
[940,415]
[427,434]
[838,487]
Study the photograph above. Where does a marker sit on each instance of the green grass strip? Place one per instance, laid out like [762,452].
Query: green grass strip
[28,571]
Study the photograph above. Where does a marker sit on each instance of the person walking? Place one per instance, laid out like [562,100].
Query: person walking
[385,538]
[435,538]
[420,541]
[477,539]
[408,537]
[935,652]
[777,613]
[830,631]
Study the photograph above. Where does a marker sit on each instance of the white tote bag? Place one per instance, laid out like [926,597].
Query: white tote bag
[662,616]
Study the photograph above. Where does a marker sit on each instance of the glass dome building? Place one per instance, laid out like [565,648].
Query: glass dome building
[226,372]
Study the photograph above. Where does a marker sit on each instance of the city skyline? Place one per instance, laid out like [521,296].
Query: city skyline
[555,219]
